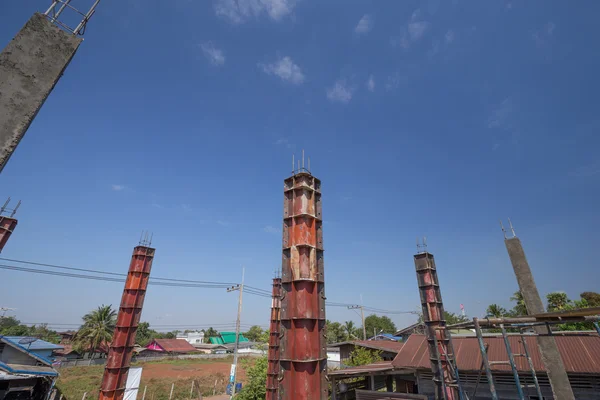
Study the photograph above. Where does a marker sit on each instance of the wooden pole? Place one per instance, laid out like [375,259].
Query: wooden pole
[84,395]
[215,387]
[144,395]
[172,387]
[192,389]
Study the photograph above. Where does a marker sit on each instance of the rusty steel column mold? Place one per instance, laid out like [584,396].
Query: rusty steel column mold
[273,356]
[130,311]
[441,356]
[303,351]
[7,226]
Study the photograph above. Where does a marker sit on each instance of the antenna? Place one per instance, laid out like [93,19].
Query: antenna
[511,228]
[292,163]
[422,245]
[302,158]
[12,211]
[146,239]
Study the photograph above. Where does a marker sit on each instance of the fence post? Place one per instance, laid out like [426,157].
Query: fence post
[215,387]
[84,395]
[192,389]
[172,387]
[144,395]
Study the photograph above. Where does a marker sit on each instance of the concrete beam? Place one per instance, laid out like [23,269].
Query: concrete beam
[30,66]
[557,375]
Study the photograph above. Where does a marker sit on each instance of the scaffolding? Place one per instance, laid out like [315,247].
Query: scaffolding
[521,326]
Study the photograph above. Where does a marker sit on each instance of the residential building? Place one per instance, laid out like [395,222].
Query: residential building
[411,368]
[170,346]
[25,373]
[387,349]
[38,346]
[192,338]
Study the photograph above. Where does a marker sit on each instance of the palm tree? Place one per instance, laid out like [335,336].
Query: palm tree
[494,310]
[520,308]
[97,329]
[350,329]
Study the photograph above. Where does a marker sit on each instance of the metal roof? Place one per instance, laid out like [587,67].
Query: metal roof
[38,344]
[380,366]
[580,354]
[385,345]
[174,345]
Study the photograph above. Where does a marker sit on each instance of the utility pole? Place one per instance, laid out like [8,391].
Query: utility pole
[362,316]
[233,372]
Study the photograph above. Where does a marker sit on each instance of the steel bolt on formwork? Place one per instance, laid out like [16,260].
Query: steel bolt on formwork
[303,351]
[441,354]
[130,311]
[274,339]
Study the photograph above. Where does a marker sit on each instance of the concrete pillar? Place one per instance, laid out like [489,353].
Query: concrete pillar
[557,375]
[30,66]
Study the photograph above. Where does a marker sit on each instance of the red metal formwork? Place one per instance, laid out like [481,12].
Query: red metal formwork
[130,311]
[303,348]
[441,354]
[7,226]
[274,338]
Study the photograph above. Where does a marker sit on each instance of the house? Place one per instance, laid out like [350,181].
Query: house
[67,337]
[388,349]
[227,338]
[38,346]
[209,348]
[68,352]
[411,368]
[24,373]
[192,337]
[171,346]
[418,328]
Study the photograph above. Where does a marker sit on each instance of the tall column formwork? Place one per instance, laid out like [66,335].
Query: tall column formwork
[274,342]
[128,318]
[303,357]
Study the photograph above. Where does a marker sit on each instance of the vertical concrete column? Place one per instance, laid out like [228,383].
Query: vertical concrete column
[30,66]
[303,358]
[130,312]
[557,374]
[274,339]
[441,356]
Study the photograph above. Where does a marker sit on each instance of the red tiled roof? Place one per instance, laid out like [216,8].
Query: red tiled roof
[175,345]
[580,354]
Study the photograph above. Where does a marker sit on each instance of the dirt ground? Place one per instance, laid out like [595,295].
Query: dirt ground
[184,371]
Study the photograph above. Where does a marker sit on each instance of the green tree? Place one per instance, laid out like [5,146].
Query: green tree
[254,333]
[98,327]
[520,308]
[335,332]
[256,385]
[496,311]
[592,298]
[210,332]
[264,338]
[8,322]
[363,356]
[376,324]
[557,301]
[351,330]
[452,318]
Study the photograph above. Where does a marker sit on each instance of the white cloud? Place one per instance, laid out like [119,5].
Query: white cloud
[285,69]
[214,55]
[413,31]
[542,36]
[371,83]
[238,11]
[118,188]
[500,114]
[340,92]
[364,25]
[449,36]
[270,229]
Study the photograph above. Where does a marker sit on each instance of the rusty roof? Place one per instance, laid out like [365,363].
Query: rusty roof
[175,345]
[580,354]
[379,366]
[384,345]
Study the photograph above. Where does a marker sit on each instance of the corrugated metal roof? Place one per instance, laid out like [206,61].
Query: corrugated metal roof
[580,354]
[39,344]
[362,369]
[174,345]
[385,345]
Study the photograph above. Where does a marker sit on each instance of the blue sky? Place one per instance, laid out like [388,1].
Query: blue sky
[421,118]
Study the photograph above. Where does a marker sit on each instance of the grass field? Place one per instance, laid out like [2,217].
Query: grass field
[157,376]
